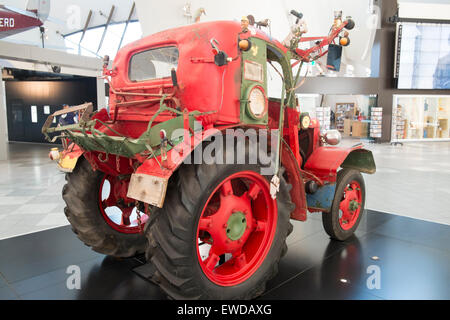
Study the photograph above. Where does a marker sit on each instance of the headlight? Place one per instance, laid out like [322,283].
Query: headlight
[54,154]
[332,137]
[305,121]
[245,45]
[257,104]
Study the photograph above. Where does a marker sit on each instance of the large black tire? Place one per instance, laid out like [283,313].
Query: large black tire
[330,220]
[82,210]
[171,232]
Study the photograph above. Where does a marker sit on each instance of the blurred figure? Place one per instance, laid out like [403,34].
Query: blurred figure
[441,78]
[251,20]
[296,32]
[198,14]
[68,118]
[244,24]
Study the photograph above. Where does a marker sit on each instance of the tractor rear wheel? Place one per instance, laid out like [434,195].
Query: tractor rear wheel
[348,205]
[100,215]
[220,235]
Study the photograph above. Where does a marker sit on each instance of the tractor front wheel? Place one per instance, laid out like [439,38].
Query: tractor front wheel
[348,205]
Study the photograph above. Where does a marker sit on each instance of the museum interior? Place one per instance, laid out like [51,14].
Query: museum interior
[98,200]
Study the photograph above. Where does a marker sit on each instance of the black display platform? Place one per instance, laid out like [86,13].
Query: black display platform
[413,260]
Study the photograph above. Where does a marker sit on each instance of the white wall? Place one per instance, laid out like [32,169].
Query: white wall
[155,17]
[309,103]
[421,9]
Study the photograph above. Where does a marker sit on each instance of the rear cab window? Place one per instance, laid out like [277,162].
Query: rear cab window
[153,64]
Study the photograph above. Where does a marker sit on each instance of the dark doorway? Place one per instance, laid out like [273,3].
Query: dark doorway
[29,103]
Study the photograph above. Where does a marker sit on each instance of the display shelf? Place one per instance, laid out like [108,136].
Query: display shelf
[323,115]
[376,122]
[343,111]
[400,124]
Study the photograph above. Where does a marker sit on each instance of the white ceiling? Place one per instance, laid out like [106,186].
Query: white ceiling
[71,16]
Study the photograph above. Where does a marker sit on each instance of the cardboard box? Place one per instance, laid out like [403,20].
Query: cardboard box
[360,129]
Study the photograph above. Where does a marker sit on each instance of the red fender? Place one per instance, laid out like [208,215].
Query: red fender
[149,183]
[69,158]
[325,161]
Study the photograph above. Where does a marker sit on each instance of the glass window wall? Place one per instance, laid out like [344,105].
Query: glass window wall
[420,117]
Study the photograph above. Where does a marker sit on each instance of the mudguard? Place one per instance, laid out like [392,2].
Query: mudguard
[149,183]
[69,158]
[324,163]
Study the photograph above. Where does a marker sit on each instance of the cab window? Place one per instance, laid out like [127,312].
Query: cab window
[153,64]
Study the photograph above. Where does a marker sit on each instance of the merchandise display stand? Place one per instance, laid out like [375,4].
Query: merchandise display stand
[323,115]
[398,127]
[376,123]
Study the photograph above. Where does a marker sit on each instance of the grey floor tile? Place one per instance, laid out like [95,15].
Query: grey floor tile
[42,199]
[53,219]
[7,209]
[36,208]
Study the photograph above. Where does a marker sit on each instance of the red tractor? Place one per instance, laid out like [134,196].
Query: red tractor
[139,181]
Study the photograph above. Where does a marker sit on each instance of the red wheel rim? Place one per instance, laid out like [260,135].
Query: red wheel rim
[236,228]
[350,206]
[116,208]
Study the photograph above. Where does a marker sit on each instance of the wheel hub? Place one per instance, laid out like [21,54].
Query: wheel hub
[350,205]
[232,223]
[353,206]
[238,222]
[236,226]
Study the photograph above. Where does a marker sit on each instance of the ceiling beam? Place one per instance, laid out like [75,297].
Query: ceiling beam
[126,25]
[106,28]
[86,25]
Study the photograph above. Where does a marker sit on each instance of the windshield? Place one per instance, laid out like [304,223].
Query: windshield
[153,64]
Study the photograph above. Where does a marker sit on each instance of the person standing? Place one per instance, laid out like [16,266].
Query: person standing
[441,77]
[68,118]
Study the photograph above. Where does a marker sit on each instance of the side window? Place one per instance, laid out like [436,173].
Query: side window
[275,72]
[153,64]
[274,79]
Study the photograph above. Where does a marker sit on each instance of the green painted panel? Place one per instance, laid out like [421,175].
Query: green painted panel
[361,160]
[126,147]
[254,58]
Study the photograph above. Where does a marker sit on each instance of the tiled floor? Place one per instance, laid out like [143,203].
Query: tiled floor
[30,191]
[413,263]
[412,181]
